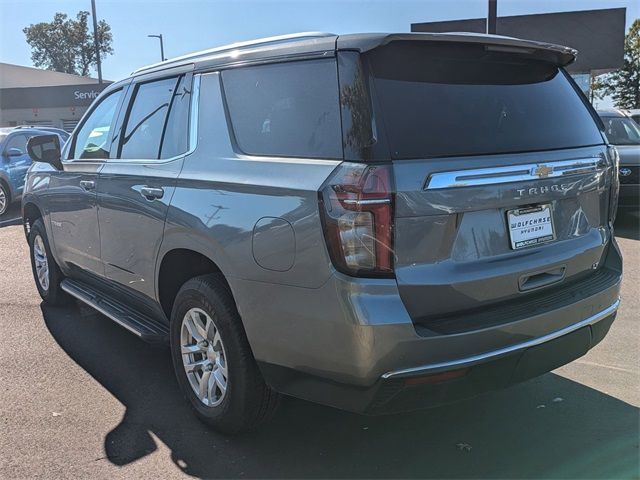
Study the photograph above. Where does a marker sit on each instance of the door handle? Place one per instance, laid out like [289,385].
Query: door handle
[151,193]
[88,185]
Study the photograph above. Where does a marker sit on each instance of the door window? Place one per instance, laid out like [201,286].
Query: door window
[19,142]
[91,140]
[175,138]
[147,119]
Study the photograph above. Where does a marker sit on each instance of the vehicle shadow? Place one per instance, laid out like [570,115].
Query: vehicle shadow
[12,216]
[628,224]
[550,427]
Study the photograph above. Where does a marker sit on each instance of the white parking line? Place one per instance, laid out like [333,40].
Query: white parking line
[611,367]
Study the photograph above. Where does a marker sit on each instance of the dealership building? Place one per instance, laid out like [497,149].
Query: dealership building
[32,96]
[598,35]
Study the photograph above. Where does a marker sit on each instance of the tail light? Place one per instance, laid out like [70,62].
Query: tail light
[614,158]
[356,204]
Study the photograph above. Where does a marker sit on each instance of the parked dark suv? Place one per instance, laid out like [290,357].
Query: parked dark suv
[374,222]
[624,133]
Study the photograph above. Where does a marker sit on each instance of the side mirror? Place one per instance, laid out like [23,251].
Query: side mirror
[46,149]
[14,152]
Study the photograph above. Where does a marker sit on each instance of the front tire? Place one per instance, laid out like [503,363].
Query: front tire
[46,272]
[212,358]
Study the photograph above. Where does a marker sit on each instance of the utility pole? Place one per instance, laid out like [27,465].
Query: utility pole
[492,17]
[161,45]
[96,44]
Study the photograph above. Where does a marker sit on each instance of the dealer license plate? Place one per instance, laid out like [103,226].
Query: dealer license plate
[530,226]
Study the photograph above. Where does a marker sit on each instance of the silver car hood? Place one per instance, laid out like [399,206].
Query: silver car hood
[629,154]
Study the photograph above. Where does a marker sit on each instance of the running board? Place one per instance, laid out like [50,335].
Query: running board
[141,325]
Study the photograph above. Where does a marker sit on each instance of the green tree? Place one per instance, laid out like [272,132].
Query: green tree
[624,84]
[65,45]
[599,87]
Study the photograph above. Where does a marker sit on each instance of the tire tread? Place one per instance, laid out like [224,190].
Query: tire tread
[260,401]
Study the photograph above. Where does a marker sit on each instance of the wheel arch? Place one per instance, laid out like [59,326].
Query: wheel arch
[30,213]
[176,267]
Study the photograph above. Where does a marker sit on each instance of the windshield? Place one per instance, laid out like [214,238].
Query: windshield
[621,131]
[463,100]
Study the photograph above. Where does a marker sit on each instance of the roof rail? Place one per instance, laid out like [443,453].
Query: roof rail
[234,46]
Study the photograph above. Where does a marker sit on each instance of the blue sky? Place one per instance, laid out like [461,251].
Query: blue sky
[190,25]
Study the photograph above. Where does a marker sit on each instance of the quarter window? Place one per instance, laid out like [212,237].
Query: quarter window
[286,109]
[91,140]
[147,119]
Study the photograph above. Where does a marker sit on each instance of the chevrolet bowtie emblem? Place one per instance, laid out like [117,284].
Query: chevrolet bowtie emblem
[542,171]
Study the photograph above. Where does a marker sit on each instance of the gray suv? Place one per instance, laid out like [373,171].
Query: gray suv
[373,222]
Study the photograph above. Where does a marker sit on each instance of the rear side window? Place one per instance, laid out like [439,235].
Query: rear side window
[175,139]
[463,100]
[146,125]
[286,109]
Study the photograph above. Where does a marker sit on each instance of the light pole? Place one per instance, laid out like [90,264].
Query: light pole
[96,45]
[161,46]
[492,17]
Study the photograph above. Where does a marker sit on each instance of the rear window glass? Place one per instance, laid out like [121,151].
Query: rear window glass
[463,100]
[286,109]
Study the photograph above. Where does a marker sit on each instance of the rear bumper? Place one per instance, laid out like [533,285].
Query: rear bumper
[351,343]
[425,386]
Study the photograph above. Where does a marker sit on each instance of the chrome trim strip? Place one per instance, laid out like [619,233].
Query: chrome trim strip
[513,173]
[97,307]
[371,201]
[468,361]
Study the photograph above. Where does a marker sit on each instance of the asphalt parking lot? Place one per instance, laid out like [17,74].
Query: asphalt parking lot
[81,397]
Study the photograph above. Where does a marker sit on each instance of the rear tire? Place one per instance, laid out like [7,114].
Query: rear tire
[5,198]
[212,358]
[46,272]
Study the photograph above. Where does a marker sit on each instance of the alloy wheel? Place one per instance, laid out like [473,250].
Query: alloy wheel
[203,357]
[3,200]
[41,262]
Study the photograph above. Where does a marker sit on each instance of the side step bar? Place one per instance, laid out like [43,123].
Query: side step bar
[141,325]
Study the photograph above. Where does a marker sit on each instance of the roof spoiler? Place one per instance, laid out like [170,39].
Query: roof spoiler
[548,52]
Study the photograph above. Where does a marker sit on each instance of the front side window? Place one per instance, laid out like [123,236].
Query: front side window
[285,109]
[145,123]
[91,140]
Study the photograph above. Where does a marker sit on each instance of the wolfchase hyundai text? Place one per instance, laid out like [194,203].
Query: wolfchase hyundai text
[376,222]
